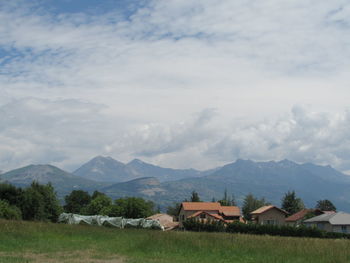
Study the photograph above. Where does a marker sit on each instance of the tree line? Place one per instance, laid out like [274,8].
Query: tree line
[39,202]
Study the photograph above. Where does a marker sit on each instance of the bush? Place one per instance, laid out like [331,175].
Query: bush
[9,212]
[205,226]
[255,229]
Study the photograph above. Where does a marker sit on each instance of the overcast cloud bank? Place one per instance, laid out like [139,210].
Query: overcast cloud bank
[177,83]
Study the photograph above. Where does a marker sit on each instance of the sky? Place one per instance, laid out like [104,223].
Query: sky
[178,83]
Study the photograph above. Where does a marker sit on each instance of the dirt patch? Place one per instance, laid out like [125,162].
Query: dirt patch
[84,256]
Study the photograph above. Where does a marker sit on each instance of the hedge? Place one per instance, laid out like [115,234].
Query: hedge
[256,229]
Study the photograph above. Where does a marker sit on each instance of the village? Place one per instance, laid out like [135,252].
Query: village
[330,221]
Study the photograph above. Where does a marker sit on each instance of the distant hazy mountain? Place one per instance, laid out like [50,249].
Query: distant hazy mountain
[147,187]
[62,181]
[270,180]
[165,186]
[106,169]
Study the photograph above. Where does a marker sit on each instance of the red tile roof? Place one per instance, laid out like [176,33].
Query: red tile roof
[217,216]
[230,210]
[263,209]
[299,215]
[201,206]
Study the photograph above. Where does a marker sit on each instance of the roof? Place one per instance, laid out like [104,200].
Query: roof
[299,215]
[230,210]
[266,208]
[165,220]
[208,206]
[339,218]
[160,217]
[217,216]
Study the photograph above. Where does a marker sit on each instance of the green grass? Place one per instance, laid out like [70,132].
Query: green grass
[45,242]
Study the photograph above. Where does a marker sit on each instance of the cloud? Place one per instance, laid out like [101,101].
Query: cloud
[302,136]
[74,85]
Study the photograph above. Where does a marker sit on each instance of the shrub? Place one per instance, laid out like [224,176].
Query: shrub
[9,212]
[255,229]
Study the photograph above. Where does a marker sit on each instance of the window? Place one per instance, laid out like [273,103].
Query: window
[183,217]
[320,226]
[202,215]
[270,222]
[344,229]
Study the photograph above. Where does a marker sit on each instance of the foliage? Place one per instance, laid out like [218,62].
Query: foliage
[12,194]
[174,210]
[250,203]
[195,197]
[291,203]
[325,205]
[9,212]
[134,207]
[227,201]
[40,203]
[76,201]
[198,225]
[100,205]
[256,229]
[96,194]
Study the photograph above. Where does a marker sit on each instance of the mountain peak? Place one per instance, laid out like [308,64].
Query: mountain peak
[136,161]
[286,162]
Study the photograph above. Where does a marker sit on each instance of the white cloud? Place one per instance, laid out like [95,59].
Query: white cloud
[251,61]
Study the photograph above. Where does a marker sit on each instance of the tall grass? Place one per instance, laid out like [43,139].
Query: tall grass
[29,241]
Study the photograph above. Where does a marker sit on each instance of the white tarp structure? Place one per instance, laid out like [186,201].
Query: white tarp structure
[119,222]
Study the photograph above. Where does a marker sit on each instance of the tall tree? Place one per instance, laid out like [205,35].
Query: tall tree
[134,207]
[40,203]
[325,205]
[195,197]
[251,203]
[101,205]
[174,210]
[227,201]
[291,203]
[76,201]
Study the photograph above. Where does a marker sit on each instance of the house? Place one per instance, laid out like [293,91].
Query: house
[331,222]
[209,211]
[269,215]
[298,218]
[165,220]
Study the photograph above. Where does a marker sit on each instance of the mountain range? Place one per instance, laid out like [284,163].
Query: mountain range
[166,186]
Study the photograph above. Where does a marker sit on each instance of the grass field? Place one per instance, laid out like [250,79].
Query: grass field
[45,242]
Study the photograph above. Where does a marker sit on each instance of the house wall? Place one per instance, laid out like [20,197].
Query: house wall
[184,214]
[321,225]
[272,214]
[338,228]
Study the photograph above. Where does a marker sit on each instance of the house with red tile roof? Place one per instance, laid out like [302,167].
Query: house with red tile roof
[269,215]
[209,211]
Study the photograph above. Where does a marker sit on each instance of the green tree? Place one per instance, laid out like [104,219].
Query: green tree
[227,201]
[250,203]
[9,212]
[40,203]
[76,201]
[291,203]
[174,210]
[325,205]
[12,194]
[195,197]
[96,194]
[100,205]
[134,207]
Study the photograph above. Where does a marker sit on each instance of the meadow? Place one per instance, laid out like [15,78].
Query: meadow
[22,241]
